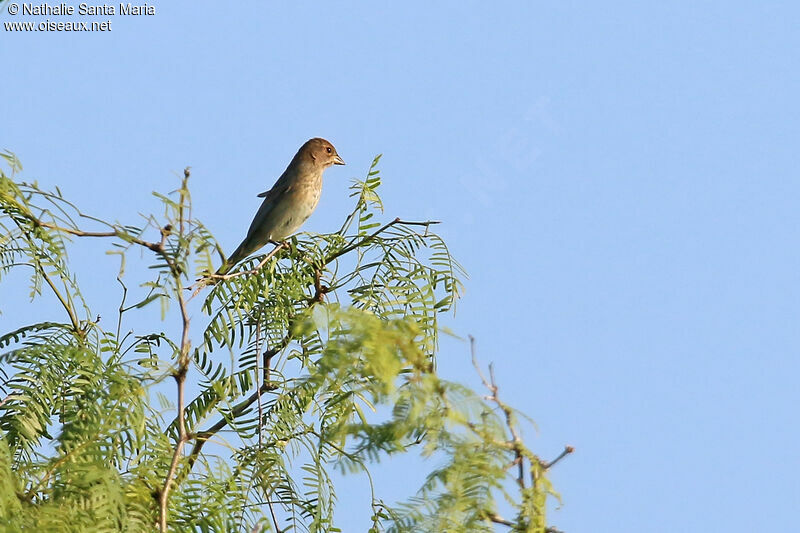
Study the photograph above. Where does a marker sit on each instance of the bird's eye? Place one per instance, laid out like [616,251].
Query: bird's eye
[328,149]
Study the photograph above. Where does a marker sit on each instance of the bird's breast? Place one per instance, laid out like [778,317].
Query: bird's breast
[307,197]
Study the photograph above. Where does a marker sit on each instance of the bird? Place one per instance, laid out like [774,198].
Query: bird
[289,202]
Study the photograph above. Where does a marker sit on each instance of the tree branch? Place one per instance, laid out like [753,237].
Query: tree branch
[237,410]
[567,450]
[73,318]
[37,265]
[156,247]
[183,365]
[497,519]
[278,246]
[349,248]
[203,436]
[516,441]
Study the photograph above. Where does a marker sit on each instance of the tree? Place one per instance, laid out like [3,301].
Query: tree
[317,355]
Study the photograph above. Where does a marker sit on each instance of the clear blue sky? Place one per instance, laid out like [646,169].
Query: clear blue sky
[619,179]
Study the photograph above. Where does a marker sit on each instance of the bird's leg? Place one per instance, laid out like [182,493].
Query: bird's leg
[270,255]
[278,246]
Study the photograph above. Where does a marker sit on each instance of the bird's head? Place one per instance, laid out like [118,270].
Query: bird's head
[321,152]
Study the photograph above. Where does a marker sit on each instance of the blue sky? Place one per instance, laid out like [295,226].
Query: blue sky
[619,180]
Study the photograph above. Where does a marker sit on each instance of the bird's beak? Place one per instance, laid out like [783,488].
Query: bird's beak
[338,160]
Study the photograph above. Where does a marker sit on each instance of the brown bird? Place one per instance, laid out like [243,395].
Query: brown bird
[290,201]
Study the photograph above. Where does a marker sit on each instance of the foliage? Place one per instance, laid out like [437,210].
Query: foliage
[315,357]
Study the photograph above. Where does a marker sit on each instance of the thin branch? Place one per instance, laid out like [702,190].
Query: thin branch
[237,410]
[158,247]
[37,265]
[497,519]
[8,398]
[516,441]
[214,278]
[368,238]
[320,290]
[274,518]
[64,302]
[78,232]
[278,246]
[116,233]
[69,455]
[258,381]
[567,450]
[476,365]
[121,306]
[268,355]
[183,195]
[183,364]
[515,444]
[202,437]
[180,379]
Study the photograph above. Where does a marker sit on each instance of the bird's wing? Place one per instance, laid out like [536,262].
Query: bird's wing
[281,186]
[278,189]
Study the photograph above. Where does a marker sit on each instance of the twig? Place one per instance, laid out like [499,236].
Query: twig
[67,457]
[183,194]
[65,301]
[274,518]
[515,444]
[237,410]
[81,233]
[214,278]
[516,441]
[180,379]
[258,380]
[497,519]
[183,366]
[7,398]
[244,404]
[319,289]
[121,306]
[156,247]
[219,277]
[368,238]
[567,450]
[204,436]
[37,265]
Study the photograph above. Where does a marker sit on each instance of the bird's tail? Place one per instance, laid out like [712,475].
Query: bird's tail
[240,253]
